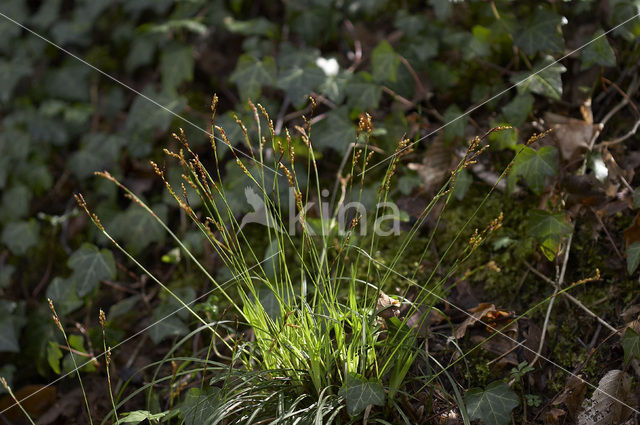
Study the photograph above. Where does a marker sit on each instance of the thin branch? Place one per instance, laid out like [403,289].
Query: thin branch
[572,299]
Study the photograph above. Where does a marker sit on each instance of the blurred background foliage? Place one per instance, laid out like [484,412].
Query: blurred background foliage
[413,65]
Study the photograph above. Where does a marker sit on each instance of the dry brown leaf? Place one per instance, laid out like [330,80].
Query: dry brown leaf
[604,407]
[40,398]
[573,395]
[487,314]
[435,165]
[632,233]
[387,307]
[630,313]
[552,417]
[571,134]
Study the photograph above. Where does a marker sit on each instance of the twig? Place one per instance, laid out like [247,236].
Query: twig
[572,299]
[415,77]
[395,95]
[555,293]
[613,244]
[280,119]
[624,137]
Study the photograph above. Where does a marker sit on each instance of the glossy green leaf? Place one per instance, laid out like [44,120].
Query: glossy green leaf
[176,65]
[633,257]
[138,229]
[541,33]
[258,26]
[479,44]
[544,224]
[535,166]
[598,52]
[91,265]
[138,416]
[5,275]
[363,93]
[442,8]
[199,406]
[360,393]
[15,203]
[384,62]
[516,111]
[251,74]
[544,80]
[69,82]
[11,72]
[97,153]
[8,336]
[548,229]
[493,405]
[63,294]
[455,123]
[631,345]
[146,118]
[166,323]
[54,355]
[19,236]
[336,132]
[299,82]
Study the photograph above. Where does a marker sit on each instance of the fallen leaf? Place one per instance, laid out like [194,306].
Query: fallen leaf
[435,165]
[552,417]
[630,313]
[632,233]
[40,398]
[487,314]
[573,395]
[605,407]
[572,135]
[387,307]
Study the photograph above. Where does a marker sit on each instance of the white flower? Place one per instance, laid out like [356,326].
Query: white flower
[329,66]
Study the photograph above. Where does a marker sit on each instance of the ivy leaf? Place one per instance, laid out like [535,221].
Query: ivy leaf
[516,111]
[455,124]
[166,323]
[5,275]
[544,80]
[494,405]
[535,167]
[336,131]
[384,62]
[138,228]
[199,406]
[15,202]
[91,265]
[442,8]
[63,294]
[19,236]
[631,345]
[176,65]
[363,93]
[360,393]
[98,151]
[479,44]
[8,336]
[548,229]
[251,74]
[138,416]
[598,52]
[54,355]
[541,33]
[299,82]
[146,119]
[633,257]
[11,72]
